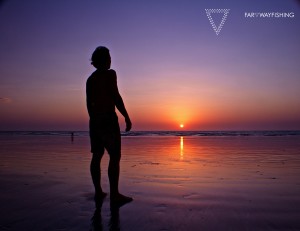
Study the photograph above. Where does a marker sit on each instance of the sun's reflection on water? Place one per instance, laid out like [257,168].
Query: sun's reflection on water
[181,148]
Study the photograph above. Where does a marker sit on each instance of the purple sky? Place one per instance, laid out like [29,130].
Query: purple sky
[172,67]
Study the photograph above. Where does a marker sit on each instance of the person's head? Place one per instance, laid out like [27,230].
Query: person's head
[101,58]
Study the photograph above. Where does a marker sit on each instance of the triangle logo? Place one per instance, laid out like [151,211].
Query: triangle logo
[209,13]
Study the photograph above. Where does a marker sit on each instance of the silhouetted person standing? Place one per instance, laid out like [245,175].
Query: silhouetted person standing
[102,97]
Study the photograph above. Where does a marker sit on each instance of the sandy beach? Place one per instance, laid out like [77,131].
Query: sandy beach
[178,183]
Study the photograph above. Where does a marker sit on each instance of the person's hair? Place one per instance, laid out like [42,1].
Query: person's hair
[101,58]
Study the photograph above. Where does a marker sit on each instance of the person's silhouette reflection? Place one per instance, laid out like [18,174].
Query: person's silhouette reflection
[97,221]
[114,221]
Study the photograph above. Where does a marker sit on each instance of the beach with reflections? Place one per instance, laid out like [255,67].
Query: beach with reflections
[177,182]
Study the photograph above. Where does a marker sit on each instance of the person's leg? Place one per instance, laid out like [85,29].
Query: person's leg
[96,174]
[112,143]
[114,172]
[97,149]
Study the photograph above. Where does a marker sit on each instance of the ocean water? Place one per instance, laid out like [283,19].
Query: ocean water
[158,133]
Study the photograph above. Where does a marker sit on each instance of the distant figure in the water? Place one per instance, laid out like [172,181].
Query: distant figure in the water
[103,96]
[72,136]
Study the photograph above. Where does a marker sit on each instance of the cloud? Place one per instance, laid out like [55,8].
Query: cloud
[5,100]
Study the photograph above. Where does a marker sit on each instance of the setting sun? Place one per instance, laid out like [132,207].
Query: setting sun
[181,125]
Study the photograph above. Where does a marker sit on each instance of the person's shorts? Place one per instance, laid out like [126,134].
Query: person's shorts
[105,134]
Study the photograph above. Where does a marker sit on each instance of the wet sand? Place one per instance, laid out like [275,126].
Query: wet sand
[178,183]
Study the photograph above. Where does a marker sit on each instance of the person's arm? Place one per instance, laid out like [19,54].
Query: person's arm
[119,102]
[88,97]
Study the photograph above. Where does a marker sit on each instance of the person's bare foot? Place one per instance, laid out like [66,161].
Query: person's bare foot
[100,196]
[120,199]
